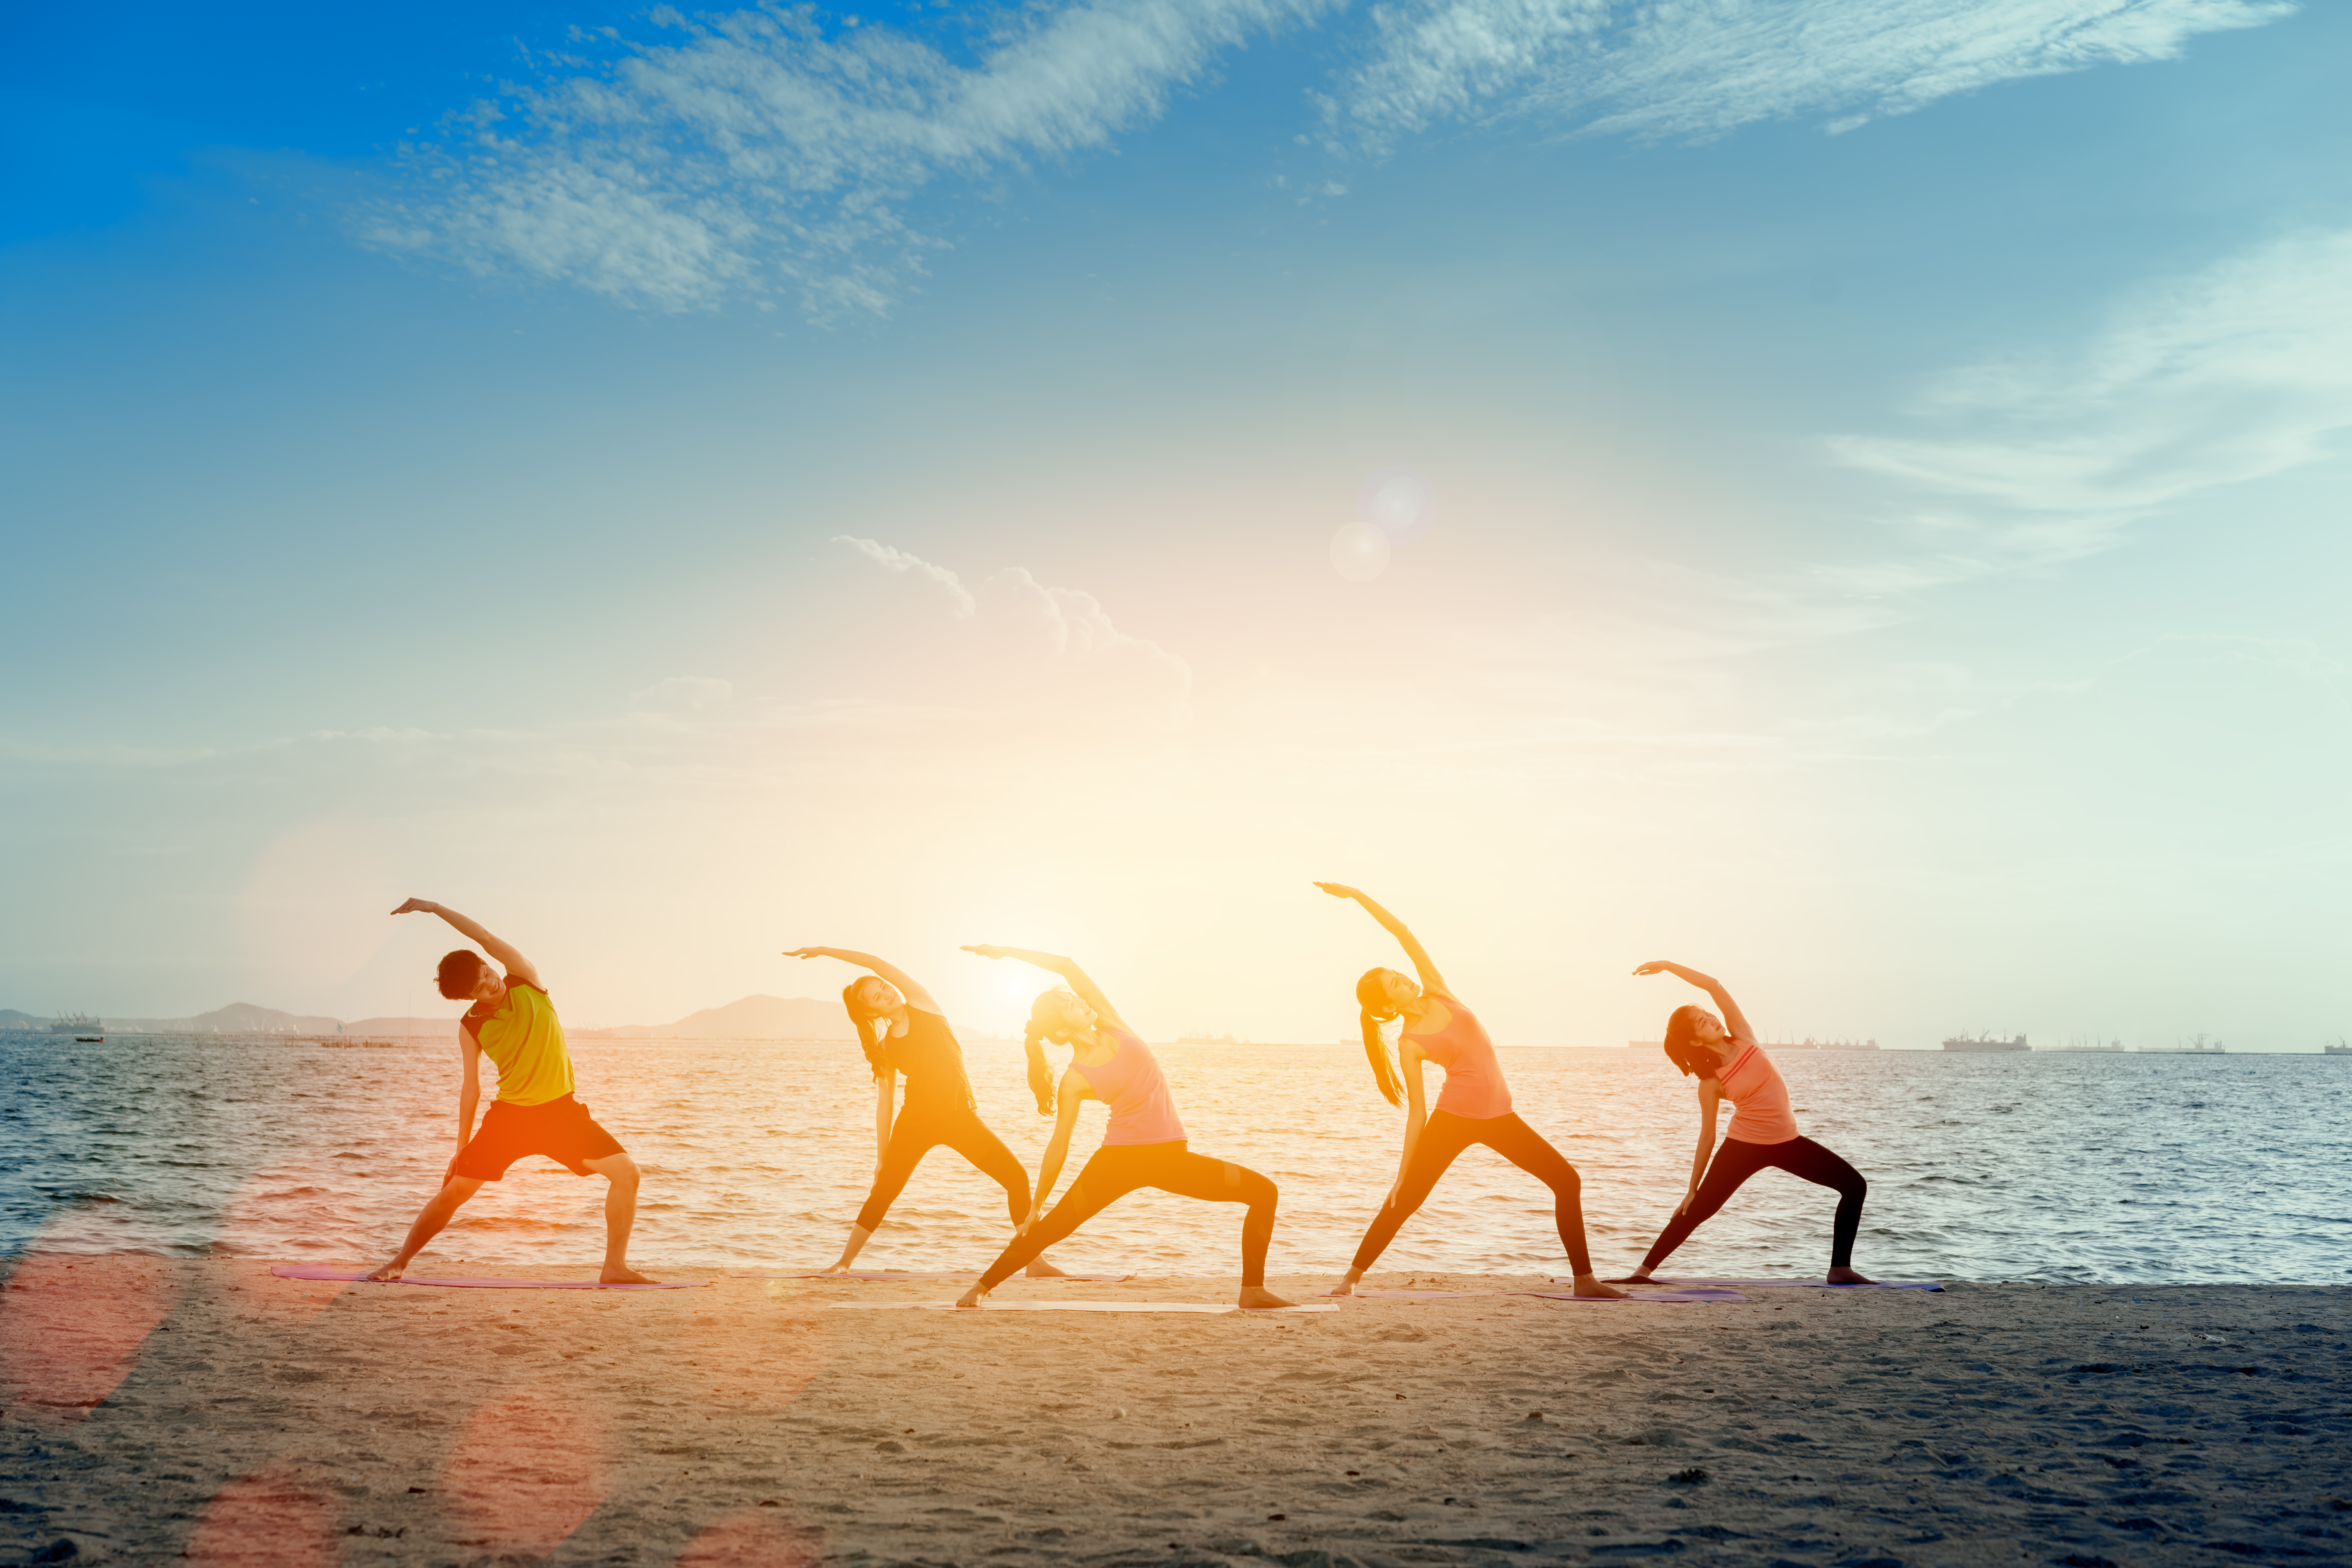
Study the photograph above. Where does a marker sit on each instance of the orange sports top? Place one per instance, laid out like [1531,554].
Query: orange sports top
[1473,1078]
[1755,1088]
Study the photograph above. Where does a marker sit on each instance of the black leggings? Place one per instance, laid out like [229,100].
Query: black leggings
[1444,1136]
[917,1133]
[1116,1170]
[1735,1162]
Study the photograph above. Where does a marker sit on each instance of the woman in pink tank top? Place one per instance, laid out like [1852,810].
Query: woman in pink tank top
[1722,1053]
[1473,1108]
[1144,1146]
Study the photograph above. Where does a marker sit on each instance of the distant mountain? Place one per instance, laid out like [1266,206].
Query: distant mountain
[237,1019]
[752,1018]
[12,1019]
[411,1028]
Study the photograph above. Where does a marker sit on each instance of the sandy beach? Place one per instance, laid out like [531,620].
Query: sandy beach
[157,1410]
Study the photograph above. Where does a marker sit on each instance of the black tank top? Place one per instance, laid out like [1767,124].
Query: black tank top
[932,1062]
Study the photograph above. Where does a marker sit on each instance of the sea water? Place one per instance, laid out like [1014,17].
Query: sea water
[757,1153]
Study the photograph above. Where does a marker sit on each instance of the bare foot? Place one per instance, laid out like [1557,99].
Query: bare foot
[971,1298]
[1848,1276]
[829,1270]
[1041,1270]
[620,1273]
[1585,1285]
[1345,1286]
[389,1272]
[1260,1296]
[1634,1279]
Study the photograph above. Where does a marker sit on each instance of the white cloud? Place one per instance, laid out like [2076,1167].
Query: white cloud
[1701,67]
[760,155]
[1010,617]
[2233,373]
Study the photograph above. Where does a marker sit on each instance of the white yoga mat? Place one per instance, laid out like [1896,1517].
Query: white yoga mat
[1070,1307]
[307,1271]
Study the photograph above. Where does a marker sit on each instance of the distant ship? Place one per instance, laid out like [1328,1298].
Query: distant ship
[76,1024]
[1985,1043]
[2338,1049]
[2076,1048]
[2199,1046]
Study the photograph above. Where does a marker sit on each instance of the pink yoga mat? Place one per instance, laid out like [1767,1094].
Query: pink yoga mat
[309,1271]
[1210,1307]
[1412,1295]
[885,1277]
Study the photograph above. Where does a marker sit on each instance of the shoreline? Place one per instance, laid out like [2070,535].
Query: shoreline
[158,1407]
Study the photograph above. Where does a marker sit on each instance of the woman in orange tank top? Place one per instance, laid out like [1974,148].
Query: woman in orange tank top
[1432,1025]
[1722,1053]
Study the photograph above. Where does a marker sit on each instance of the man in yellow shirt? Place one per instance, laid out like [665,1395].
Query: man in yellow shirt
[513,1023]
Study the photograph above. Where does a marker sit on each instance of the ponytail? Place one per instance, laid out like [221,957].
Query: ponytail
[863,1022]
[1041,1076]
[1045,1015]
[1372,1009]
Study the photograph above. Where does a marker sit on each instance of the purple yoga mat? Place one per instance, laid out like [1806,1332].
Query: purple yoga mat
[309,1271]
[1791,1284]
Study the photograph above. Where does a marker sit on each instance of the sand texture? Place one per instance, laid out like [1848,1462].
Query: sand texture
[209,1413]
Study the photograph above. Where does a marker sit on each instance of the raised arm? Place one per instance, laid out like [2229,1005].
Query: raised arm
[1054,963]
[503,953]
[1426,966]
[908,986]
[1734,1020]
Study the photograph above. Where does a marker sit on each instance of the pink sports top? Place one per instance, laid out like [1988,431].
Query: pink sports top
[1473,1078]
[1754,1086]
[1130,1084]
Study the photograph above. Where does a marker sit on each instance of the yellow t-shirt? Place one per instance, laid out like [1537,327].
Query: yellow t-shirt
[522,1036]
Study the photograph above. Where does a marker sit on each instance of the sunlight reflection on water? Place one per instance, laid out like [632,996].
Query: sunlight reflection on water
[2039,1167]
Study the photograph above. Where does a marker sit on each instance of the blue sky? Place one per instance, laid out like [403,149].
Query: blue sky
[1889,465]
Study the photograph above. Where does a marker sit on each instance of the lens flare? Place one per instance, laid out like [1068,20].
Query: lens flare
[1400,502]
[1360,551]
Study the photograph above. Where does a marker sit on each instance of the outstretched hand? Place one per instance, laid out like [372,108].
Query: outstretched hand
[418,907]
[809,953]
[986,950]
[1655,966]
[1339,889]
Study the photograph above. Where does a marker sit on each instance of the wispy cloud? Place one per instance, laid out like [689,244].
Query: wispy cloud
[1034,627]
[1701,67]
[758,155]
[2238,371]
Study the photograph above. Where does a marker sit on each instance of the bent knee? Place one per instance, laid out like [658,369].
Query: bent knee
[617,1169]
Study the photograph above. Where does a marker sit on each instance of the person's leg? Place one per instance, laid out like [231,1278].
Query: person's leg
[435,1214]
[1733,1162]
[1442,1137]
[1804,1158]
[1105,1179]
[620,1217]
[1522,1146]
[1190,1175]
[970,1137]
[911,1138]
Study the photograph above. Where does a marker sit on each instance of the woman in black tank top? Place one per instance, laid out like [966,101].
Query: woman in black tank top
[904,1034]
